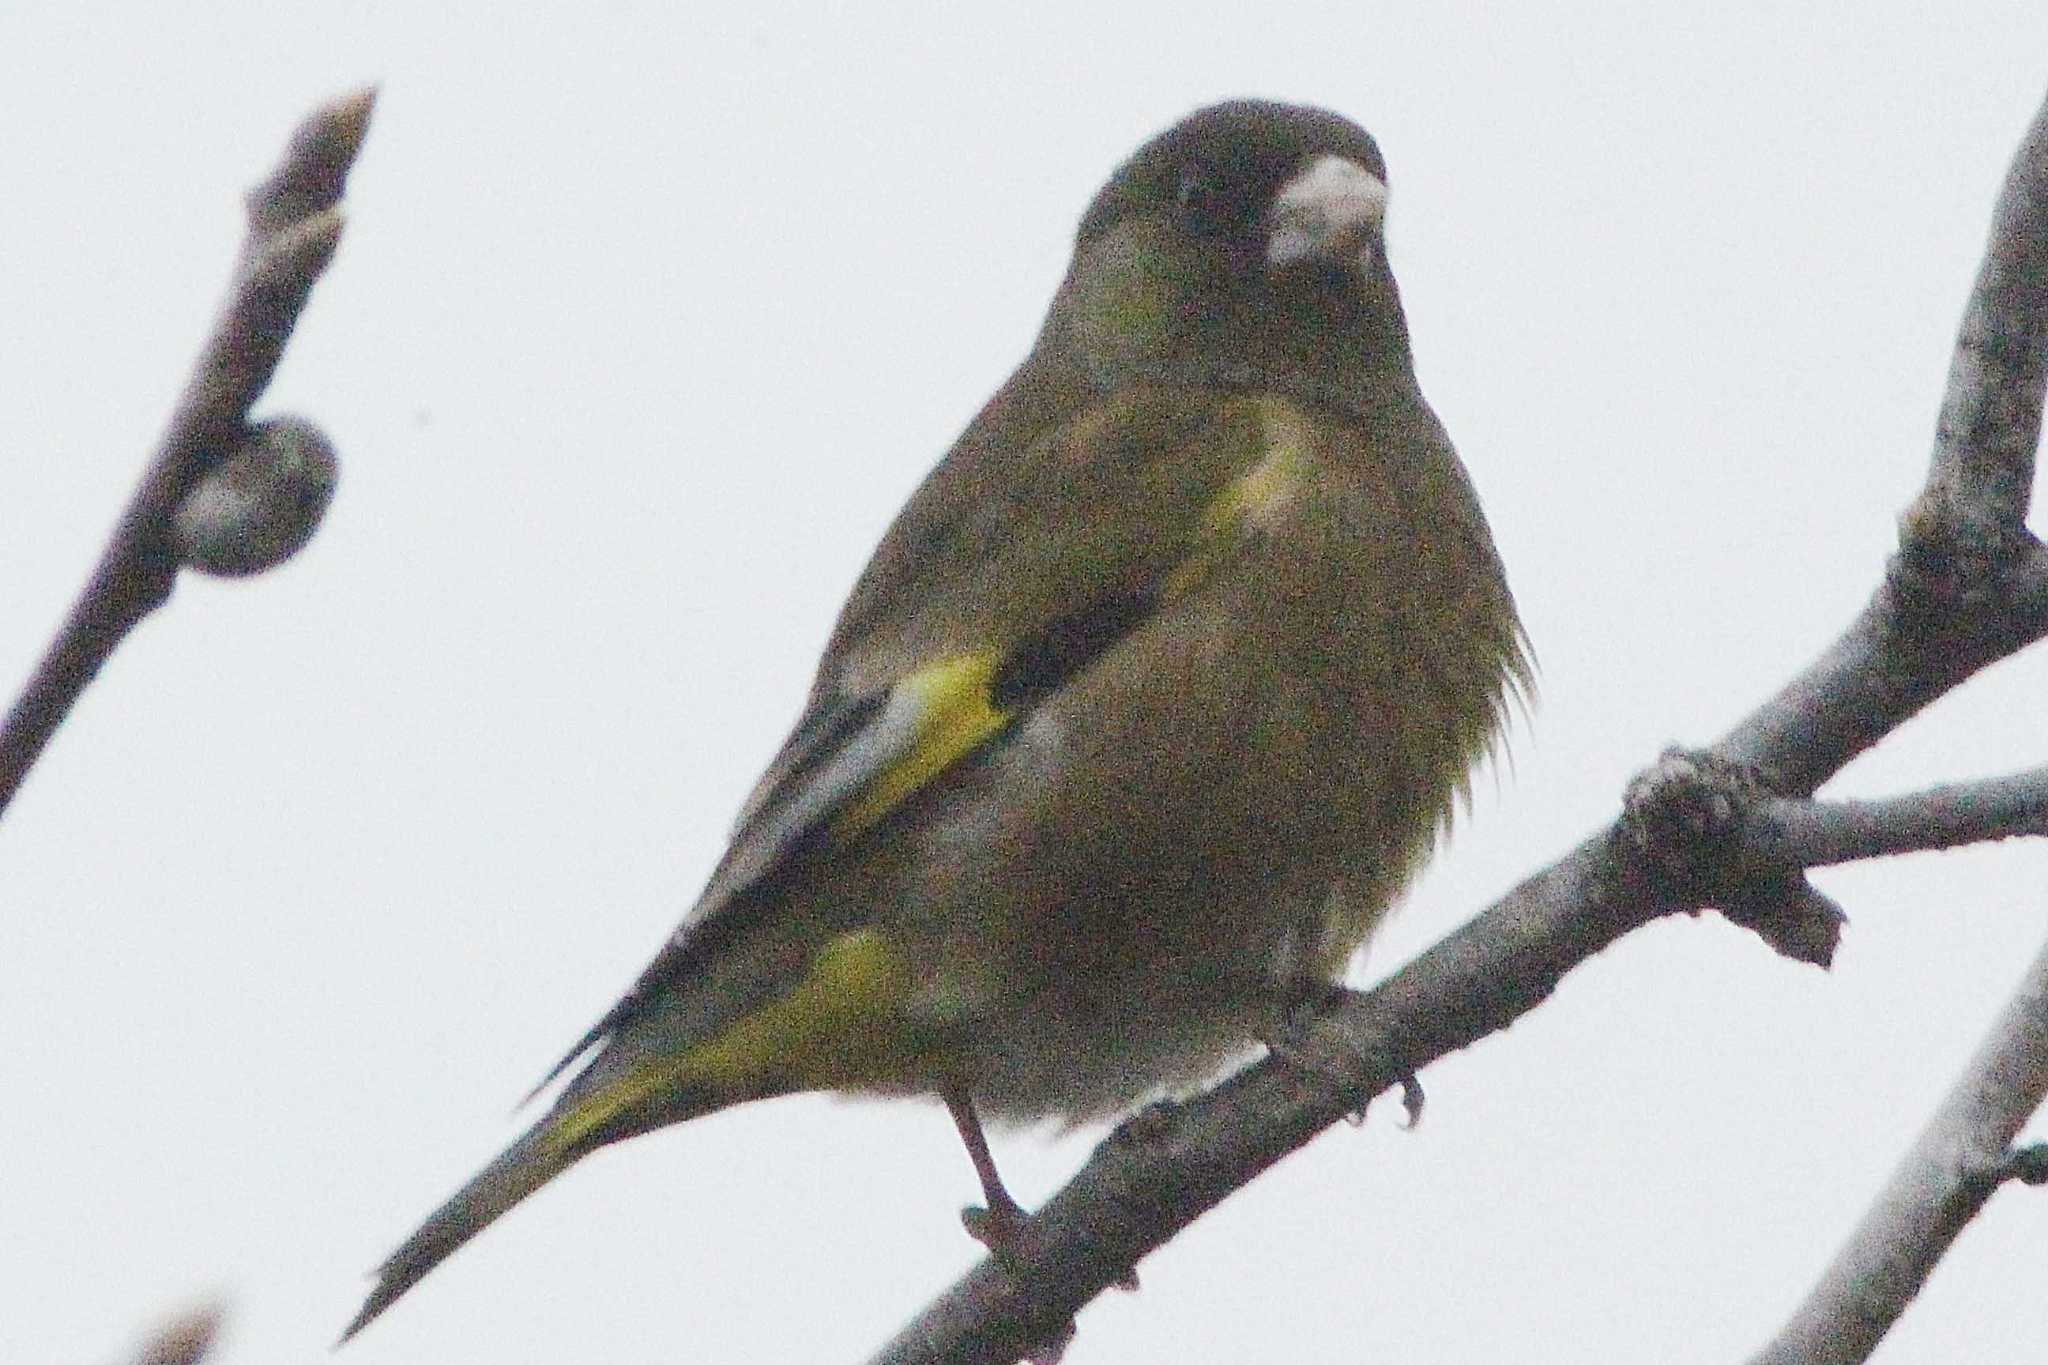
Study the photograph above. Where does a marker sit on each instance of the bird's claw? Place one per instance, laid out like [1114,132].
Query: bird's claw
[1001,1226]
[1412,1100]
[1296,1041]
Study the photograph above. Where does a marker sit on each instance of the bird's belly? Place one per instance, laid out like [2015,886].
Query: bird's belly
[1121,958]
[1077,1059]
[1107,909]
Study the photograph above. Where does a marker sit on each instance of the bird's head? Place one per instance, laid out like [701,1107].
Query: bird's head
[1247,240]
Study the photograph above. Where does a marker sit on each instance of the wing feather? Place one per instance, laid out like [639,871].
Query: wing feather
[1121,509]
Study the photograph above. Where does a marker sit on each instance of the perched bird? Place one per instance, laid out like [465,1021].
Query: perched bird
[1147,705]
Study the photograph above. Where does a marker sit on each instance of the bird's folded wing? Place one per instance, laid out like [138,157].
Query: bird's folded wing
[1121,510]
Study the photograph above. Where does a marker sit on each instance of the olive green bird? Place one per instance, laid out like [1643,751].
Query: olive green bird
[1148,704]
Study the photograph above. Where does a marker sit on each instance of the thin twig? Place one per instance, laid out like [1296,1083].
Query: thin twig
[1960,1159]
[1982,471]
[1893,661]
[1976,496]
[1790,833]
[1969,587]
[186,1339]
[293,228]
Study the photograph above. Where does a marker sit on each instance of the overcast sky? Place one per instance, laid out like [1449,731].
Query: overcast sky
[646,321]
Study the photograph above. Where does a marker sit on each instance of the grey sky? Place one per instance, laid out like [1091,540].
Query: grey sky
[644,325]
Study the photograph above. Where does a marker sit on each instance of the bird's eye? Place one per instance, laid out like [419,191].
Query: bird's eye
[1201,199]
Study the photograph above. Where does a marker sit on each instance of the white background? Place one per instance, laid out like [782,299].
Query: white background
[646,321]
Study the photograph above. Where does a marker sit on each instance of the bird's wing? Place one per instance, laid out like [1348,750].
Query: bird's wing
[978,605]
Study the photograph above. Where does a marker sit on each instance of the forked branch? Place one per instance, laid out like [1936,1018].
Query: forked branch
[1969,586]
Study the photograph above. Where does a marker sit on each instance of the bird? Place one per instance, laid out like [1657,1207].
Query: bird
[1149,703]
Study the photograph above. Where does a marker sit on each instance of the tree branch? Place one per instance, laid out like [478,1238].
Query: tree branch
[1982,473]
[1960,1159]
[1968,586]
[1788,833]
[293,229]
[187,1339]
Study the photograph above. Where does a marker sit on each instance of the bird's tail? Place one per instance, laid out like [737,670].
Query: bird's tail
[519,1170]
[597,1109]
[835,1027]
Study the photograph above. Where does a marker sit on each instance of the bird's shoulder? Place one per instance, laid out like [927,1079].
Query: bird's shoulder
[1007,537]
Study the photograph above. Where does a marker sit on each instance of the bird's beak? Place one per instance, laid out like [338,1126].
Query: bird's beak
[1328,214]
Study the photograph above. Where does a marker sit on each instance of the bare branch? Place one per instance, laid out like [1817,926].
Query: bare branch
[185,1340]
[1982,473]
[1976,493]
[1901,653]
[2026,1165]
[1960,1159]
[293,228]
[1969,586]
[1789,833]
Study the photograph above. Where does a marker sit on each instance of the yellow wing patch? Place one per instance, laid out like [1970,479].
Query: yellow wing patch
[842,1025]
[952,699]
[955,716]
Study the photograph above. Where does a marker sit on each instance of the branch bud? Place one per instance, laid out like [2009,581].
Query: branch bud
[261,504]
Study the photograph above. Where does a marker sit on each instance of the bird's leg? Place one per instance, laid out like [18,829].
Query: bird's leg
[1001,1223]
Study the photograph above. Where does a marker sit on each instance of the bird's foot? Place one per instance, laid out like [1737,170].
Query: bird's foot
[1299,1038]
[1001,1225]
